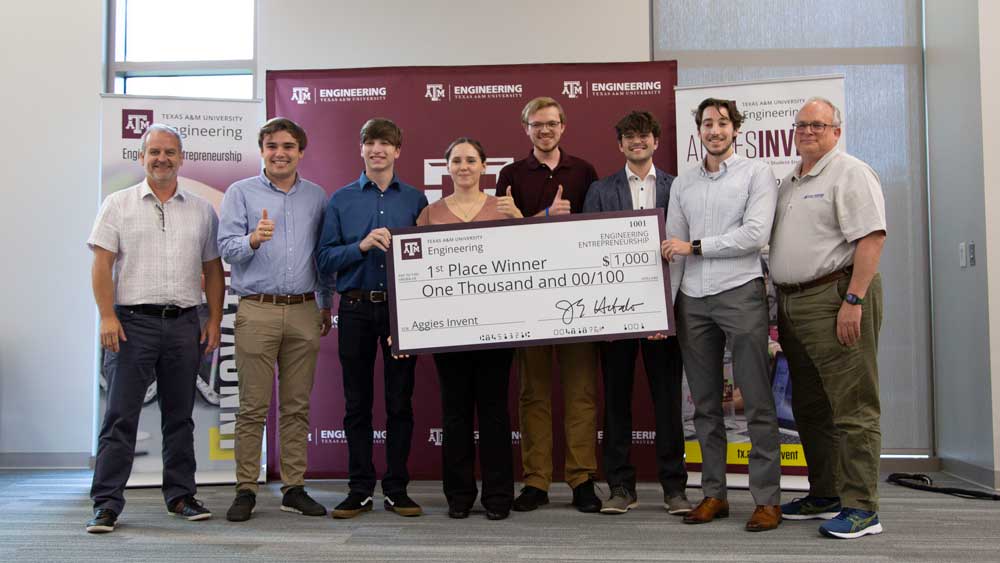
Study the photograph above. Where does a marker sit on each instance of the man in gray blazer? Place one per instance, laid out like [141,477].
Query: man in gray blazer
[640,185]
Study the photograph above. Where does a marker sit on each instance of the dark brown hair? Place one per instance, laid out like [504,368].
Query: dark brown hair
[730,106]
[466,140]
[276,124]
[380,128]
[640,122]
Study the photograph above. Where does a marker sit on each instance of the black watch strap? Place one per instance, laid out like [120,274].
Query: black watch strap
[696,247]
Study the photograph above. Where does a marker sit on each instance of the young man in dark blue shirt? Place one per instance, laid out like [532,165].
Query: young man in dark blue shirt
[356,236]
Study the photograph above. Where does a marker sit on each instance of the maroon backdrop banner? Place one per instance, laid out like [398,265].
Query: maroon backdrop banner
[433,106]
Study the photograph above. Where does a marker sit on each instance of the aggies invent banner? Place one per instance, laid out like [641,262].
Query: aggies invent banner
[433,106]
[220,147]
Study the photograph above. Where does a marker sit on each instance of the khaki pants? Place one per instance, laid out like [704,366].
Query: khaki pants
[269,334]
[835,391]
[578,373]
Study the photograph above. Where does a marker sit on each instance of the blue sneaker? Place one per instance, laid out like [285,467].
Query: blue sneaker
[810,508]
[851,523]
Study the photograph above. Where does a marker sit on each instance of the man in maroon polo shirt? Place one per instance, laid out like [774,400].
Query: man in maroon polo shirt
[551,182]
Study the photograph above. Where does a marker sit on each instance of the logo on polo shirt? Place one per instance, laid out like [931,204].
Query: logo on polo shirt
[135,122]
[301,95]
[572,88]
[411,249]
[435,92]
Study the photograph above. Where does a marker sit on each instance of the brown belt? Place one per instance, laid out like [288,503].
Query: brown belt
[280,299]
[365,295]
[832,277]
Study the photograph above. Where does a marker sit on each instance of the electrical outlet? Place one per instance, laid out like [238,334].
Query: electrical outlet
[962,255]
[972,253]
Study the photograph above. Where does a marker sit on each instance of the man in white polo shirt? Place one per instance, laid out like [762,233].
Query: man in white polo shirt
[828,235]
[152,243]
[719,218]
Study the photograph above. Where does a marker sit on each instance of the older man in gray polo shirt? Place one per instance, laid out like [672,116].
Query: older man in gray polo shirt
[827,240]
[152,243]
[720,216]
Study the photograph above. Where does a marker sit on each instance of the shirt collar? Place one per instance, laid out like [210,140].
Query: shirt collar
[267,182]
[723,166]
[534,164]
[145,190]
[629,174]
[365,181]
[818,167]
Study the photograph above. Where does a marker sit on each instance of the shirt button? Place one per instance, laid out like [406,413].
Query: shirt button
[381,212]
[380,266]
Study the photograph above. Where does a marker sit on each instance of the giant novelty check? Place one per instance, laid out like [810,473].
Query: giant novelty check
[529,281]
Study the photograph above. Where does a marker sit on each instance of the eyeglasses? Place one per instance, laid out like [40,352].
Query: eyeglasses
[814,127]
[539,125]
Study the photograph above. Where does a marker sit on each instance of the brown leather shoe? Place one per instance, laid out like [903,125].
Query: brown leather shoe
[765,517]
[707,510]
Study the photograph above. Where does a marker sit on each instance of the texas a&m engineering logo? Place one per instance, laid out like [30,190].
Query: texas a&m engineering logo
[572,88]
[301,95]
[135,122]
[435,92]
[411,249]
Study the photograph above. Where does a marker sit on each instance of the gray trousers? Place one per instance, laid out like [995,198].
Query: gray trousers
[703,325]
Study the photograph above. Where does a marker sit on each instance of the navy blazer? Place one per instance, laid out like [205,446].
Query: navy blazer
[612,193]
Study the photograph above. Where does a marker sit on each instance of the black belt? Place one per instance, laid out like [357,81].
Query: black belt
[365,295]
[832,277]
[280,299]
[162,311]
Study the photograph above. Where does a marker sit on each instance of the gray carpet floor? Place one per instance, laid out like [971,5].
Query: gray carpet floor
[42,516]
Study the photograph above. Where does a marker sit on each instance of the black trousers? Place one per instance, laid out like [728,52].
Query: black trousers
[363,328]
[664,369]
[166,351]
[476,383]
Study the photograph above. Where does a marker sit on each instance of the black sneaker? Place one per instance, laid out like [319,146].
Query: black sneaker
[298,501]
[190,509]
[584,497]
[530,499]
[354,504]
[402,504]
[104,521]
[497,514]
[242,507]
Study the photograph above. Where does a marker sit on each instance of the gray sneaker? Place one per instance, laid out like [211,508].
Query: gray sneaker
[676,503]
[620,502]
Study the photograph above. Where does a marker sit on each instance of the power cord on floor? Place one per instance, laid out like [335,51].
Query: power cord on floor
[922,482]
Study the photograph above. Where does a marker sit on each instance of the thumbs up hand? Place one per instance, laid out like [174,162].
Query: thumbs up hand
[264,231]
[506,205]
[559,205]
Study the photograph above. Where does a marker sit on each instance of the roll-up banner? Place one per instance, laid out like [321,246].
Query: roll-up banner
[220,147]
[768,108]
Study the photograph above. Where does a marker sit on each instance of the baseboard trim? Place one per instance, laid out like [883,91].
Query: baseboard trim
[909,465]
[971,472]
[45,460]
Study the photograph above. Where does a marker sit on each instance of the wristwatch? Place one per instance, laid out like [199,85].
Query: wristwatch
[696,247]
[854,299]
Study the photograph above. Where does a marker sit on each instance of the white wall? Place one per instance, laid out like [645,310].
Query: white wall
[51,71]
[304,34]
[962,169]
[989,72]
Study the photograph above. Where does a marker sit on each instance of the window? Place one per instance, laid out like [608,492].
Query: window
[190,48]
[877,45]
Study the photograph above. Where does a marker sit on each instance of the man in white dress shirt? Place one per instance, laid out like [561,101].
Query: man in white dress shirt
[718,219]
